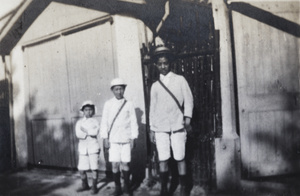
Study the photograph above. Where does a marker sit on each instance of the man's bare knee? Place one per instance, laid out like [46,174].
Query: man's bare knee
[115,167]
[125,166]
[163,165]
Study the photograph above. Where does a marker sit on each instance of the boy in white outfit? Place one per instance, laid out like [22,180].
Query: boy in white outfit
[87,129]
[119,129]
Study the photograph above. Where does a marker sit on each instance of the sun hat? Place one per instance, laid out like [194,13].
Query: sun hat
[117,82]
[87,103]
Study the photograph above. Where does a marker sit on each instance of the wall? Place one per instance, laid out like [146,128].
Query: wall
[58,16]
[266,40]
[227,147]
[55,18]
[253,22]
[19,106]
[128,35]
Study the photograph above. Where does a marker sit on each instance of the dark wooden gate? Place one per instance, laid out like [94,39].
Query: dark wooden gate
[198,61]
[5,135]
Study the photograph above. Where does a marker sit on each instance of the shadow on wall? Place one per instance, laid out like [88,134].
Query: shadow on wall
[7,137]
[23,183]
[279,156]
[139,153]
[51,141]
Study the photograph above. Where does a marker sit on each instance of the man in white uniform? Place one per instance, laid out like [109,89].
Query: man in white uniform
[169,122]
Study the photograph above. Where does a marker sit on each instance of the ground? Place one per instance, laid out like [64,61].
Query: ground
[60,182]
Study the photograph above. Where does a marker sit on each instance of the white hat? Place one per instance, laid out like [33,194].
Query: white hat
[87,103]
[117,82]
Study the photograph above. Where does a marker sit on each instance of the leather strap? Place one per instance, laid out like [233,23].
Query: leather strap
[112,123]
[172,95]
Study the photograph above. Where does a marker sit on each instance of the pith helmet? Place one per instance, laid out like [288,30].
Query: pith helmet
[87,103]
[117,82]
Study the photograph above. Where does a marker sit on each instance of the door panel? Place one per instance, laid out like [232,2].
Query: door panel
[90,65]
[49,137]
[267,64]
[51,143]
[90,69]
[48,87]
[62,73]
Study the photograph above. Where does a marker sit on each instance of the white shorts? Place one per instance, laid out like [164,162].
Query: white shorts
[89,161]
[165,140]
[120,152]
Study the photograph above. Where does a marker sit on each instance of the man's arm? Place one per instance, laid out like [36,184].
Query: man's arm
[188,105]
[104,126]
[133,122]
[104,123]
[187,99]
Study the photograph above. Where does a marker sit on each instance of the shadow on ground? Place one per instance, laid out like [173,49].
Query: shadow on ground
[36,182]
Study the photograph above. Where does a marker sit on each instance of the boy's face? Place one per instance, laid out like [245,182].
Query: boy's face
[118,91]
[88,111]
[163,65]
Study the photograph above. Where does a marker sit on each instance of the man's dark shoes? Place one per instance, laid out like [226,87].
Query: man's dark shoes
[118,191]
[164,191]
[183,191]
[84,187]
[94,187]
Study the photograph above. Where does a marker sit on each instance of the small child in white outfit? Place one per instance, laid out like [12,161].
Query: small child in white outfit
[87,129]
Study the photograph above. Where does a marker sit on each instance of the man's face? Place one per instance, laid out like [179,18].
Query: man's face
[88,111]
[118,91]
[163,65]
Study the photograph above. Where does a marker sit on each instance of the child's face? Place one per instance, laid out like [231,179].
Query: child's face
[118,91]
[88,111]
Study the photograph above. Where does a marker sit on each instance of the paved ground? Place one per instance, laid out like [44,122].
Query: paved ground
[54,182]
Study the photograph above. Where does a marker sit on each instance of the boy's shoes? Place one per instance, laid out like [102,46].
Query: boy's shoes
[164,191]
[84,187]
[126,182]
[126,191]
[118,191]
[94,187]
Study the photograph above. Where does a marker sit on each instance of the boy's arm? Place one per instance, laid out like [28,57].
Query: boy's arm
[94,130]
[104,123]
[79,133]
[133,122]
[153,103]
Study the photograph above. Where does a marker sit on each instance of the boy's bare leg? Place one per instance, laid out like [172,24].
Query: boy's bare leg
[181,167]
[85,185]
[117,176]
